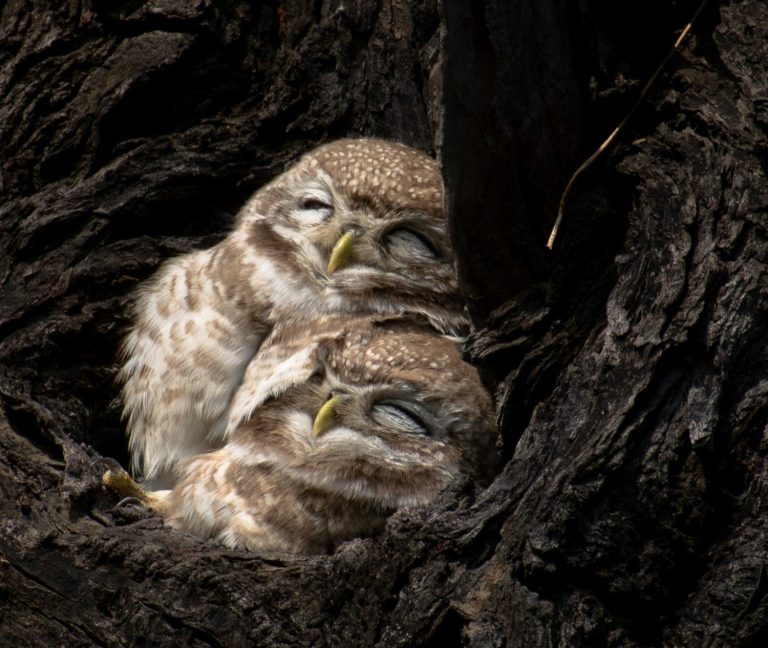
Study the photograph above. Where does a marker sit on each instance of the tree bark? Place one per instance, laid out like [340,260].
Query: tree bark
[629,365]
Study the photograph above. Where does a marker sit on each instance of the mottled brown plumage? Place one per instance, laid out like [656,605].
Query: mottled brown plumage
[203,317]
[408,418]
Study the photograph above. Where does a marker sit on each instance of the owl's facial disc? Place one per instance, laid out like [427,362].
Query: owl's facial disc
[339,231]
[403,245]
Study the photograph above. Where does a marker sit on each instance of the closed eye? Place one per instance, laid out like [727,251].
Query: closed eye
[314,206]
[313,202]
[407,245]
[400,416]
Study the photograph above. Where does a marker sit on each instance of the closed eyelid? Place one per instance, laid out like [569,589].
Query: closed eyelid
[323,191]
[405,415]
[404,239]
[312,205]
[317,192]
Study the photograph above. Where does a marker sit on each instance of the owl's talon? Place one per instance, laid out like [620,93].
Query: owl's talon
[121,483]
[128,500]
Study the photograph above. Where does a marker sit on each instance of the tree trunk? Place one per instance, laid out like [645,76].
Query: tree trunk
[629,365]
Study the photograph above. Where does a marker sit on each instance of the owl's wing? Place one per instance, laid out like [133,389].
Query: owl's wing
[268,375]
[184,358]
[288,357]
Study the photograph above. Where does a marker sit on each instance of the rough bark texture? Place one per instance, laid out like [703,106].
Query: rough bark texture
[630,365]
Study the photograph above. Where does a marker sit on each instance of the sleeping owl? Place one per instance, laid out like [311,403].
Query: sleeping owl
[356,226]
[337,424]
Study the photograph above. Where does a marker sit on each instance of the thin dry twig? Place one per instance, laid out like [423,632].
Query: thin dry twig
[609,140]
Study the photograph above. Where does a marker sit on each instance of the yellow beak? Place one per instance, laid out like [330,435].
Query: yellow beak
[325,416]
[341,253]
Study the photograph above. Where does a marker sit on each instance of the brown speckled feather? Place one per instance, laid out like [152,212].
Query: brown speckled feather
[202,319]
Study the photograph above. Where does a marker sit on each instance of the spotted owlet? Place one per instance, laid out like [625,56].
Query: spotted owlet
[356,226]
[337,424]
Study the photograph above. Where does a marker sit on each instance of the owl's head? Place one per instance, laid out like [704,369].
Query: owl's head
[362,222]
[380,412]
